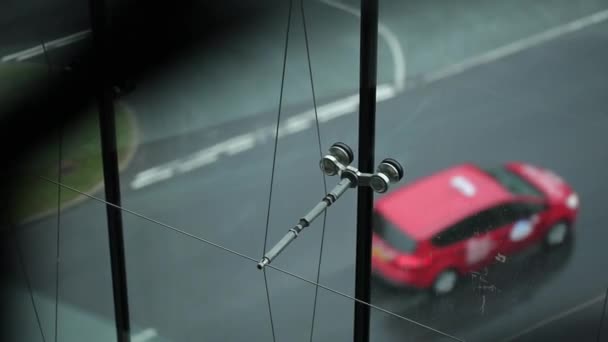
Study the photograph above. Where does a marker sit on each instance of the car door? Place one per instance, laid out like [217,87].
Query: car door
[484,244]
[466,245]
[514,225]
[529,217]
[500,221]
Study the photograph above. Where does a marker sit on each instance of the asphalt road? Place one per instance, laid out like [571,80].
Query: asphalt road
[424,36]
[545,105]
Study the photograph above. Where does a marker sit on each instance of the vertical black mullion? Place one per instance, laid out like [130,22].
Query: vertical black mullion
[365,195]
[109,153]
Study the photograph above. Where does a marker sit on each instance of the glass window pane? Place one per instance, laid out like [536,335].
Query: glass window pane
[493,85]
[196,108]
[55,246]
[202,163]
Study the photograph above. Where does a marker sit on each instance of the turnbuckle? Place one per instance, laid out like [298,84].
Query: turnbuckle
[337,162]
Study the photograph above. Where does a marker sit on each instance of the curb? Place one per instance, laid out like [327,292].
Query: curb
[122,165]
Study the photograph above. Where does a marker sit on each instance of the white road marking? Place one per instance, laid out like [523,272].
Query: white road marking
[348,104]
[53,44]
[298,123]
[399,66]
[327,112]
[198,160]
[517,46]
[144,335]
[243,142]
[555,318]
[153,175]
[337,109]
[239,144]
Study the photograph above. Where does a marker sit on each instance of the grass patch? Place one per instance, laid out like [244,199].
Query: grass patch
[81,162]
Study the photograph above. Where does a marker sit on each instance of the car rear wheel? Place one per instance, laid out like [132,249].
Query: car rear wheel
[557,234]
[445,282]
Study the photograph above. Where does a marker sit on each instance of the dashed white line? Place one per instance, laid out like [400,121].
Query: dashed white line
[337,109]
[243,142]
[144,335]
[198,160]
[154,175]
[239,144]
[298,123]
[555,318]
[349,104]
[53,44]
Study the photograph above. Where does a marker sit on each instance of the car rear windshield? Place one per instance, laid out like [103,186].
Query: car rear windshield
[513,182]
[392,235]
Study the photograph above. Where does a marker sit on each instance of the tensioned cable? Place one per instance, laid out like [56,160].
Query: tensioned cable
[599,330]
[314,102]
[149,219]
[248,257]
[366,303]
[274,161]
[27,281]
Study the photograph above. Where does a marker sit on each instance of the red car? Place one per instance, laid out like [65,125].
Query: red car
[431,232]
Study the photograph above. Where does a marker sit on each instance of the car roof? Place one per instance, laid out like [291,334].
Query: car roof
[433,203]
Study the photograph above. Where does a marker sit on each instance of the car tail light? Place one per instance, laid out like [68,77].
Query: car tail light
[572,201]
[410,261]
[382,253]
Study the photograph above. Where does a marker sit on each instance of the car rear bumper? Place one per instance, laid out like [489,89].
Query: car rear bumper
[390,275]
[393,284]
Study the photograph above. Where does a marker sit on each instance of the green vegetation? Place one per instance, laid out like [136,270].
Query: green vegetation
[80,151]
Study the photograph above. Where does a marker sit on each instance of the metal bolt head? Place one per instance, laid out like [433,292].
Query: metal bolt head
[263,263]
[342,153]
[391,169]
[351,173]
[329,165]
[379,182]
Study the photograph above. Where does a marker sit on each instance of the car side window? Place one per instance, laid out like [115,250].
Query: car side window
[506,214]
[529,209]
[512,212]
[451,235]
[470,226]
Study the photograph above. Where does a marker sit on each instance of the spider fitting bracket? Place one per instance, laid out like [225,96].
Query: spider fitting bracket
[337,162]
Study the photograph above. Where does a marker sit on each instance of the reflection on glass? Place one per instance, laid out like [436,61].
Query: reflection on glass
[55,240]
[482,298]
[459,82]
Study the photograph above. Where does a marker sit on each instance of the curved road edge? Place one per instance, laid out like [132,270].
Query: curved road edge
[122,165]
